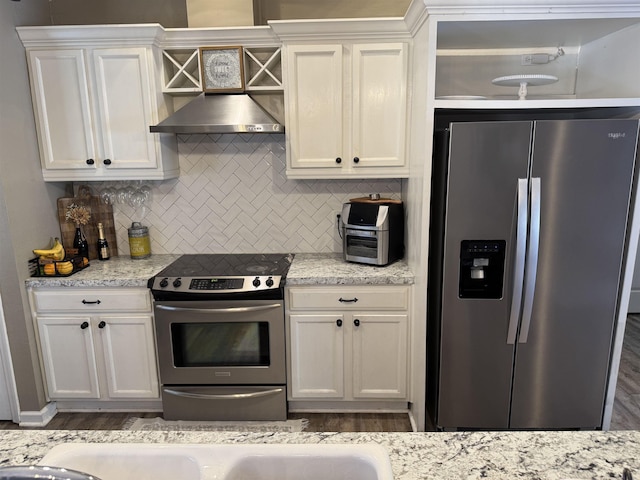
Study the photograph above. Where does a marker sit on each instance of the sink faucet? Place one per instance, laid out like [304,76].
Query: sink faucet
[30,472]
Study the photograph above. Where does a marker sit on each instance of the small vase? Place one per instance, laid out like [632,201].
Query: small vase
[80,243]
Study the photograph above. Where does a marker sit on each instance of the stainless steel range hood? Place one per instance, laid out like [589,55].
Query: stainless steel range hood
[220,113]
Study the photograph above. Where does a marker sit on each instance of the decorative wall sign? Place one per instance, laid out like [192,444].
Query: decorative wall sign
[222,69]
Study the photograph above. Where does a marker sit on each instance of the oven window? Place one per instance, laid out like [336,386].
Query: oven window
[362,247]
[220,344]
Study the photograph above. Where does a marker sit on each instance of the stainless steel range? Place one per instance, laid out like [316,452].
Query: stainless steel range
[220,336]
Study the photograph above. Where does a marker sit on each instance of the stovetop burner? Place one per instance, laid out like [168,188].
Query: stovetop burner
[222,276]
[219,265]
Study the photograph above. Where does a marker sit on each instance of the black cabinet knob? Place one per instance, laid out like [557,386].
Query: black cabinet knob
[84,325]
[102,324]
[90,161]
[339,322]
[356,159]
[338,160]
[107,161]
[356,322]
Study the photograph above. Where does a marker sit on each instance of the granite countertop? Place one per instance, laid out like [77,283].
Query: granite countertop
[120,271]
[441,455]
[332,269]
[306,269]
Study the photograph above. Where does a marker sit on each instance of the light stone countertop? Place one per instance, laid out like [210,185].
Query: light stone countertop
[122,271]
[331,269]
[441,455]
[306,269]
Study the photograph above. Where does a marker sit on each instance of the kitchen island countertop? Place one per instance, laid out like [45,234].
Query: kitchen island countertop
[442,455]
[332,269]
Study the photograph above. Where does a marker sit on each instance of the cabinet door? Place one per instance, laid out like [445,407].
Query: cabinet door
[68,357]
[317,356]
[379,110]
[379,356]
[129,356]
[314,106]
[62,109]
[124,94]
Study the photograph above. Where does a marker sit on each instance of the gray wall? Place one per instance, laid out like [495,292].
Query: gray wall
[168,13]
[27,205]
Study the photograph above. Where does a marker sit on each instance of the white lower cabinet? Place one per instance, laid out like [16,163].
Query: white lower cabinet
[348,343]
[92,347]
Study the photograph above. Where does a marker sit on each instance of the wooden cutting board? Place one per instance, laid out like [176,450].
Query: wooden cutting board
[100,212]
[379,200]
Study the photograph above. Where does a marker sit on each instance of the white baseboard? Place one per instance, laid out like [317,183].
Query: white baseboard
[634,302]
[38,419]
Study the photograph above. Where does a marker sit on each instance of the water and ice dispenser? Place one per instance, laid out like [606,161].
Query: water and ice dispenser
[481,268]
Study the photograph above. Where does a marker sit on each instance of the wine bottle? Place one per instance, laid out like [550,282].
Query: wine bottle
[80,244]
[103,245]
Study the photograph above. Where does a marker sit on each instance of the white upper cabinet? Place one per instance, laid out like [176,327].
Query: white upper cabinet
[346,109]
[93,107]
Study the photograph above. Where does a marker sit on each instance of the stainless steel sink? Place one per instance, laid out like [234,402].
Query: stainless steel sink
[224,462]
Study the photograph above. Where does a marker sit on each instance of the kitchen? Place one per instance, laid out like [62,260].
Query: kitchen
[40,227]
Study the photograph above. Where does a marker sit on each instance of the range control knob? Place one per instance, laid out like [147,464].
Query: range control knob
[164,282]
[269,282]
[256,282]
[177,282]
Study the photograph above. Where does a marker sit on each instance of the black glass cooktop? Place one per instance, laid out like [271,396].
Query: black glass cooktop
[224,265]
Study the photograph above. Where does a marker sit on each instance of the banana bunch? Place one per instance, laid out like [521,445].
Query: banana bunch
[56,252]
[64,268]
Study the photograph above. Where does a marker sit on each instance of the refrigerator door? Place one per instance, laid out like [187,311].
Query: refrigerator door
[585,170]
[488,163]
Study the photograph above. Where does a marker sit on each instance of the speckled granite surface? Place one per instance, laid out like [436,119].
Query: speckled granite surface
[496,455]
[115,272]
[306,269]
[331,269]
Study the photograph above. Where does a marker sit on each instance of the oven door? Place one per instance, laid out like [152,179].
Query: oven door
[221,342]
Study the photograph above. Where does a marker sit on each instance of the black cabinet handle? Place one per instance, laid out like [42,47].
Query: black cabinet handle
[338,160]
[84,325]
[356,159]
[102,324]
[107,161]
[356,322]
[347,300]
[94,302]
[90,161]
[339,322]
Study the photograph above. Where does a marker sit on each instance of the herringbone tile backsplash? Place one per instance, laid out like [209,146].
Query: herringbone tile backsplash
[232,196]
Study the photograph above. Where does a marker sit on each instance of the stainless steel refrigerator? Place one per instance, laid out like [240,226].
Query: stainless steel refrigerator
[528,237]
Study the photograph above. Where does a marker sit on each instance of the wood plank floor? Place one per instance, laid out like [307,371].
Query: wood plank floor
[626,410]
[318,422]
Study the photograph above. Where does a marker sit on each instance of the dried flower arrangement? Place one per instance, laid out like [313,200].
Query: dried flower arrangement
[78,214]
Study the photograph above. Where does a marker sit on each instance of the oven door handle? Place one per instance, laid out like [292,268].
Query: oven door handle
[219,310]
[231,396]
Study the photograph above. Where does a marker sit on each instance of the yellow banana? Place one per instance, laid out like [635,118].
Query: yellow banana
[54,253]
[64,267]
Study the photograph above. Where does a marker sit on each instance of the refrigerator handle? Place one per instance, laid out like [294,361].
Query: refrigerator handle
[518,269]
[532,260]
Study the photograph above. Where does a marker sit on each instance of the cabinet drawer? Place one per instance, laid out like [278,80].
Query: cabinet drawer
[92,300]
[349,298]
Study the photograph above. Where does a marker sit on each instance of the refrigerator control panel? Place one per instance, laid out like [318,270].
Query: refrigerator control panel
[481,268]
